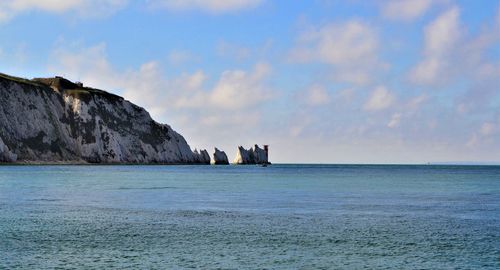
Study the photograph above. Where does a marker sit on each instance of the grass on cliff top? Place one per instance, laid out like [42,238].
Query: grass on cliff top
[76,90]
[90,91]
[19,80]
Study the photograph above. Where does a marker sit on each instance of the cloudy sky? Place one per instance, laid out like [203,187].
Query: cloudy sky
[326,81]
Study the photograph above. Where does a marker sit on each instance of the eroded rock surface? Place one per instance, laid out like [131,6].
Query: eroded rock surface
[202,157]
[5,154]
[220,157]
[259,155]
[255,155]
[55,120]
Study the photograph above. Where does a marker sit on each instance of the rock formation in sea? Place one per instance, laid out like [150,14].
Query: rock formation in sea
[220,157]
[255,155]
[259,155]
[202,157]
[56,120]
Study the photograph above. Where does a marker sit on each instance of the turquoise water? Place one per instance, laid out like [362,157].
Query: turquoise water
[249,217]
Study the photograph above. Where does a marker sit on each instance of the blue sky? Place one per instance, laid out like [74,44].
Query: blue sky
[327,81]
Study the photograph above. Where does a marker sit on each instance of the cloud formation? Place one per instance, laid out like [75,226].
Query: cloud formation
[381,98]
[485,135]
[407,10]
[211,6]
[441,38]
[351,48]
[84,8]
[395,120]
[317,95]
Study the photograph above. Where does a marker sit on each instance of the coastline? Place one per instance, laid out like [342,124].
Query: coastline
[83,163]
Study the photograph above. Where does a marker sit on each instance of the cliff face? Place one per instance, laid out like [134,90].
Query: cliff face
[255,155]
[55,120]
[5,154]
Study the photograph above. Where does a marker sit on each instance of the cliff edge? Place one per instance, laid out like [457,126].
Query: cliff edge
[50,120]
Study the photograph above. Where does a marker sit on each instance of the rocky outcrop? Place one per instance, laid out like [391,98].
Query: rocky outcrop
[5,154]
[259,155]
[220,158]
[243,156]
[255,155]
[55,120]
[202,157]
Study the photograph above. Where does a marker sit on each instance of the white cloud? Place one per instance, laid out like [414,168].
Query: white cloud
[395,120]
[474,55]
[429,71]
[485,136]
[317,95]
[235,90]
[380,99]
[442,37]
[86,8]
[450,52]
[487,129]
[407,10]
[241,89]
[89,65]
[350,47]
[443,33]
[415,103]
[451,55]
[337,44]
[211,6]
[195,81]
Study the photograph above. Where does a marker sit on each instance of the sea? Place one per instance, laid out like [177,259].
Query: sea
[250,217]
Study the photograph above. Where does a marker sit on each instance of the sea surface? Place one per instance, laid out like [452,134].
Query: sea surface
[250,217]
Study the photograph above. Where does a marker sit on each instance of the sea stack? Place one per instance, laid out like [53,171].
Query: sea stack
[54,120]
[202,157]
[220,158]
[255,155]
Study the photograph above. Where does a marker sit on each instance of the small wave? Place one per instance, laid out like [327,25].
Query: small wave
[46,200]
[146,188]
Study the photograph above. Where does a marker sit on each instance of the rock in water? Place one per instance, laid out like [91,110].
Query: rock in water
[243,156]
[252,156]
[220,157]
[202,157]
[259,155]
[205,157]
[55,120]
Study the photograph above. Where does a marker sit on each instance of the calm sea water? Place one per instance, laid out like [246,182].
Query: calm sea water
[249,217]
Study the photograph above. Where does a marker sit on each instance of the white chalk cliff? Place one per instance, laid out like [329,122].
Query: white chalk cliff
[55,120]
[255,155]
[220,157]
[5,154]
